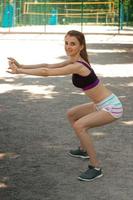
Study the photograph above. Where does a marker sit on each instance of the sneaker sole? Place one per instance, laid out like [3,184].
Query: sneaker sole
[77,156]
[88,180]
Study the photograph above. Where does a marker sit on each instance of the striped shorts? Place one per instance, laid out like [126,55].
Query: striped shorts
[112,105]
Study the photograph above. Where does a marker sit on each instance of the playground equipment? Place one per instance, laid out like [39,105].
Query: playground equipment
[72,12]
[53,20]
[8,15]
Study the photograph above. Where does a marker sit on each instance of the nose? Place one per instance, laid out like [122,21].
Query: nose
[68,47]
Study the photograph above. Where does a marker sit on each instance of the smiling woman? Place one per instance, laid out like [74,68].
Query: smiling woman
[72,46]
[104,108]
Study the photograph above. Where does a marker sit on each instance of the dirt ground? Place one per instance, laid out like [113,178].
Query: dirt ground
[35,136]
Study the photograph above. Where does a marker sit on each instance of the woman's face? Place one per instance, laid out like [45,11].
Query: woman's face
[72,46]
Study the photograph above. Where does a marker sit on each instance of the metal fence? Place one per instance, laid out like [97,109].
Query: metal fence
[40,15]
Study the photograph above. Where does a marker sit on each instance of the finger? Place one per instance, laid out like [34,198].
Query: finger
[11,67]
[10,72]
[11,59]
[10,62]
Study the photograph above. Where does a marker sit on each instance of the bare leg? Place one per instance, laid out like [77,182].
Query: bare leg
[81,126]
[82,118]
[78,112]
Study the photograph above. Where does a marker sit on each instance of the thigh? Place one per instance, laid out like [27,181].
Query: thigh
[81,110]
[96,119]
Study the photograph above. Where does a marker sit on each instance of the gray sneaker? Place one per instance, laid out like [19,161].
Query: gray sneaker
[90,174]
[78,153]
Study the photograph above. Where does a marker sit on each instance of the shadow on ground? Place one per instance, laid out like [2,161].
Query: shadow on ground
[35,138]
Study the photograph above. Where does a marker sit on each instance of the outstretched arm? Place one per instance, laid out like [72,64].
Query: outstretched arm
[68,69]
[34,66]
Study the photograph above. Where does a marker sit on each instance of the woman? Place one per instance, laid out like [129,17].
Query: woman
[104,108]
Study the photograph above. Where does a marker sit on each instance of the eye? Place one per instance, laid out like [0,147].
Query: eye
[72,43]
[66,43]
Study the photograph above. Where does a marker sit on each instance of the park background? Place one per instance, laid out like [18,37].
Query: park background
[51,15]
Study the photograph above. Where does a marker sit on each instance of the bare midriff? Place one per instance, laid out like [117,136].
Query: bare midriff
[98,93]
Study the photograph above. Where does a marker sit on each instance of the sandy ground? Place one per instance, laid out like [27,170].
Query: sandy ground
[35,136]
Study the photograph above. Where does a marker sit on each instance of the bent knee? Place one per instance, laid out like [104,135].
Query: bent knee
[70,113]
[79,127]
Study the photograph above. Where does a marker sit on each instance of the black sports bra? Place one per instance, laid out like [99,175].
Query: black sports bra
[85,82]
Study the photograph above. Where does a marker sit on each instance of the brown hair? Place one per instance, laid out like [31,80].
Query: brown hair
[80,37]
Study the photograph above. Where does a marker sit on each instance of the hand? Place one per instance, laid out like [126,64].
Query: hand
[13,61]
[12,69]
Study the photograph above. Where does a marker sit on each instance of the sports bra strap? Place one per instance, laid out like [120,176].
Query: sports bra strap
[85,64]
